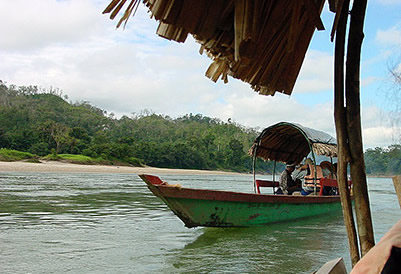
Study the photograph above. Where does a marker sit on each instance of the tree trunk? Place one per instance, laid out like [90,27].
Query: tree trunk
[341,130]
[357,164]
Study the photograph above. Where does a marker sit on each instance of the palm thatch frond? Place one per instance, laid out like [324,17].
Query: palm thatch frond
[261,42]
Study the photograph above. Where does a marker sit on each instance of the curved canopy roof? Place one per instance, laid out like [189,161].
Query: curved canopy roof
[286,142]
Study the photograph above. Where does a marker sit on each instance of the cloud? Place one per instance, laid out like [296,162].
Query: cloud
[72,46]
[253,110]
[377,137]
[316,73]
[389,2]
[389,37]
[376,128]
[35,24]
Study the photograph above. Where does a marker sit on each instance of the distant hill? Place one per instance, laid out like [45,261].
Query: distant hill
[43,122]
[40,123]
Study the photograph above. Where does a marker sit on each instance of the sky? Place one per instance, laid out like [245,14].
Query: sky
[72,46]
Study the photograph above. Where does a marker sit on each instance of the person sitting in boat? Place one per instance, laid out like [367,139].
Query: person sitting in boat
[329,171]
[287,185]
[299,176]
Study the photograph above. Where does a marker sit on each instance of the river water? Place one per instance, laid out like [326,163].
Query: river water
[111,223]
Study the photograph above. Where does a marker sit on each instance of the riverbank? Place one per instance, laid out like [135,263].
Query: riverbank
[55,166]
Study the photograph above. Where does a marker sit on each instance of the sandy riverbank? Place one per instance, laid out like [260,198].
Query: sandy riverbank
[54,166]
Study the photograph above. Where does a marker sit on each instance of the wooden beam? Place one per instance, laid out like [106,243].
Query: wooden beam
[341,130]
[352,92]
[335,22]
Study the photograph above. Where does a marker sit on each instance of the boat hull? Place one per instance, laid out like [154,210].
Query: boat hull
[213,208]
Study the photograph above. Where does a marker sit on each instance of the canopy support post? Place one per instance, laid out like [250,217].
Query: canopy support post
[341,131]
[274,176]
[352,95]
[254,168]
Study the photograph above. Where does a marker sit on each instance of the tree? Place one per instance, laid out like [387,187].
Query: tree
[58,134]
[393,96]
[235,153]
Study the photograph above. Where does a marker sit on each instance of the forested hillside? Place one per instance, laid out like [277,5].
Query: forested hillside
[40,123]
[383,161]
[43,122]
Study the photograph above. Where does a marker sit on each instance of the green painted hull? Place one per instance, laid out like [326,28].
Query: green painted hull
[194,212]
[211,208]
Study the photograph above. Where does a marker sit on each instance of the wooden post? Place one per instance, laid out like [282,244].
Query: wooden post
[397,186]
[341,130]
[352,91]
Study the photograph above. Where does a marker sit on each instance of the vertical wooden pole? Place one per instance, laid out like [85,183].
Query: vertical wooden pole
[397,186]
[352,91]
[341,130]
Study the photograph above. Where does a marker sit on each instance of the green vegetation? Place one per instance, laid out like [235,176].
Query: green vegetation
[10,155]
[383,161]
[44,124]
[76,159]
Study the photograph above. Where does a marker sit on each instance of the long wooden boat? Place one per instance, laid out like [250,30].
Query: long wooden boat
[216,208]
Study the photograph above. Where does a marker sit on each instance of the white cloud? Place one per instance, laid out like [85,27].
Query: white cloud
[316,73]
[389,2]
[254,110]
[368,80]
[38,23]
[72,46]
[390,37]
[376,129]
[377,137]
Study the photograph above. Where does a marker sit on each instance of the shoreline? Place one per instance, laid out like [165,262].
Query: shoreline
[63,167]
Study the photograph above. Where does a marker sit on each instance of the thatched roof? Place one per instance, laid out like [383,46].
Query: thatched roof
[286,142]
[261,42]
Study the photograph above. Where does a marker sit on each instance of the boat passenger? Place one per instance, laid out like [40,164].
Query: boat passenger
[328,171]
[287,185]
[299,176]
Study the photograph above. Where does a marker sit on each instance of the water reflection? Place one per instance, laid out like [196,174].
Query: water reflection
[297,247]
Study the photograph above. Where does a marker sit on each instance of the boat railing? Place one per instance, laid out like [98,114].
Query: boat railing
[265,183]
[324,182]
[328,182]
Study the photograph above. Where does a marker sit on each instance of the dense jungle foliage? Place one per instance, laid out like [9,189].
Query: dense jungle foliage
[383,161]
[44,123]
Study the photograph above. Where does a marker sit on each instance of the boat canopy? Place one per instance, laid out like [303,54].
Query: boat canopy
[286,142]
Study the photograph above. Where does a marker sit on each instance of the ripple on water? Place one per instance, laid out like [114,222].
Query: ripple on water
[96,222]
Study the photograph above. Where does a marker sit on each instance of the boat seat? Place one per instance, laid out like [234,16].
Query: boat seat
[264,183]
[332,183]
